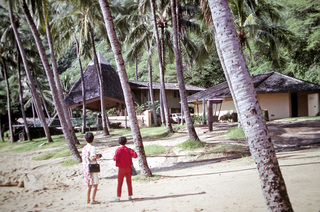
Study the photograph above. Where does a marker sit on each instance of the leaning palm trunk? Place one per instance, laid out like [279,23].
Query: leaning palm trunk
[68,132]
[26,128]
[35,96]
[161,68]
[84,114]
[126,88]
[253,122]
[154,112]
[8,101]
[100,79]
[182,88]
[58,86]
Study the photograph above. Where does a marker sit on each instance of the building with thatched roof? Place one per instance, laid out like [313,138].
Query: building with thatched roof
[141,92]
[282,96]
[113,94]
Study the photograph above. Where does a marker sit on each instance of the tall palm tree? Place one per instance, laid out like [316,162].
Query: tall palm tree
[35,96]
[161,69]
[253,122]
[180,76]
[139,37]
[57,96]
[5,75]
[85,15]
[21,98]
[125,87]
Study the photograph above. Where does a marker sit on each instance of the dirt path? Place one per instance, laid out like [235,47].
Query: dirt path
[187,183]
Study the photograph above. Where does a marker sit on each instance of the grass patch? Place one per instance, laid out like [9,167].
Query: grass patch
[235,133]
[54,154]
[69,162]
[229,149]
[154,149]
[191,145]
[142,178]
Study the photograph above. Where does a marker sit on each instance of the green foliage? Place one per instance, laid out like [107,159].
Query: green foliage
[191,145]
[154,150]
[236,133]
[226,117]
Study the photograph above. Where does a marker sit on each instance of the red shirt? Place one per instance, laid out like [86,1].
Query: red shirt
[123,157]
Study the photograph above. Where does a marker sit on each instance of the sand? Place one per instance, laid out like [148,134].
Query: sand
[186,183]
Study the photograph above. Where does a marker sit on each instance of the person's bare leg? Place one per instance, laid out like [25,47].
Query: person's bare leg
[95,188]
[88,193]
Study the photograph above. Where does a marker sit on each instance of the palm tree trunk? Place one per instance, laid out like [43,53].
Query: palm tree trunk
[253,123]
[100,78]
[26,128]
[58,86]
[126,88]
[35,97]
[84,114]
[1,129]
[8,100]
[161,68]
[154,112]
[136,64]
[69,136]
[182,88]
[43,99]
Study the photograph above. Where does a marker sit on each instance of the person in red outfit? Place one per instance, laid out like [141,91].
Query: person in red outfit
[123,157]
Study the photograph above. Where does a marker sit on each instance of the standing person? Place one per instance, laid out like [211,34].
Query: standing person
[89,156]
[123,157]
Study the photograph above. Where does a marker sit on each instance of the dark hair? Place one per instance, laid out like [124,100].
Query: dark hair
[122,140]
[89,137]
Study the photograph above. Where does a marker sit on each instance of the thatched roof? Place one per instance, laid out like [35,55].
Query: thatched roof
[270,82]
[143,85]
[113,94]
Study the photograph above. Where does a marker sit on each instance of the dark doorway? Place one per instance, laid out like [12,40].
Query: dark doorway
[294,104]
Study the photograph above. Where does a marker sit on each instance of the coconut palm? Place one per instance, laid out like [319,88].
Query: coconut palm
[57,96]
[84,15]
[180,76]
[5,75]
[125,87]
[253,122]
[139,38]
[163,98]
[21,98]
[28,73]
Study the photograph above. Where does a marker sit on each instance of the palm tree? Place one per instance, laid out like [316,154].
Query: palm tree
[259,22]
[161,68]
[253,122]
[57,96]
[4,73]
[84,16]
[21,98]
[139,37]
[177,51]
[125,87]
[28,73]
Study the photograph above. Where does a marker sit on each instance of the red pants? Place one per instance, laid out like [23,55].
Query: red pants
[124,172]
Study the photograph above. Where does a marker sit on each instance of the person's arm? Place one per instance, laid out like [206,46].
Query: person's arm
[133,153]
[93,156]
[116,155]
